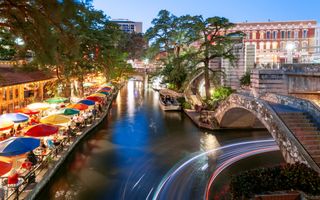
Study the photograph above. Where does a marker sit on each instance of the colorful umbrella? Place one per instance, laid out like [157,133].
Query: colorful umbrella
[57,100]
[71,111]
[88,84]
[107,85]
[87,102]
[55,119]
[38,106]
[5,166]
[94,98]
[27,111]
[18,145]
[5,124]
[78,106]
[103,92]
[42,130]
[15,117]
[98,95]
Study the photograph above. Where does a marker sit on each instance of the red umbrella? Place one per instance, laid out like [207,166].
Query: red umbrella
[27,111]
[78,106]
[95,98]
[5,167]
[42,130]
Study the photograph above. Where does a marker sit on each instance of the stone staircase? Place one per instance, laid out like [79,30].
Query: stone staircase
[305,130]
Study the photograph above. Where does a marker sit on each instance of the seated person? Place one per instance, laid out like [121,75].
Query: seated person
[32,158]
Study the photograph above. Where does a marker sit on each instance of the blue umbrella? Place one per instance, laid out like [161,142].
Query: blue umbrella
[18,145]
[87,102]
[15,117]
[102,92]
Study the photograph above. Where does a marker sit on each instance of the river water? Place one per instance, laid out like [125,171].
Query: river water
[142,152]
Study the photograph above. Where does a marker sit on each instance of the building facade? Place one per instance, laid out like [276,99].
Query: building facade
[280,42]
[129,26]
[316,57]
[17,89]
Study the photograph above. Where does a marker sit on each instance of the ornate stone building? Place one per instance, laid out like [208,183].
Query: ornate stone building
[280,42]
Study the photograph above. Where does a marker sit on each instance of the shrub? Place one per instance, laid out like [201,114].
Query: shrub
[186,105]
[288,177]
[221,93]
[245,79]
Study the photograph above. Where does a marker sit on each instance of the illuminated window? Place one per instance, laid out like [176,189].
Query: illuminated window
[254,35]
[261,34]
[268,45]
[261,45]
[274,45]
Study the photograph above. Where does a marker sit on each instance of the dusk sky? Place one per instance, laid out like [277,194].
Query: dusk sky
[235,10]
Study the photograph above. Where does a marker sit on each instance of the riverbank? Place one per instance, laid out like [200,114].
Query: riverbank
[48,168]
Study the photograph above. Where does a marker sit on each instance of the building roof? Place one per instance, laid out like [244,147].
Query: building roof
[9,76]
[313,22]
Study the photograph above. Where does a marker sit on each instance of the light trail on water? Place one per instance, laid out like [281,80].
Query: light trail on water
[231,154]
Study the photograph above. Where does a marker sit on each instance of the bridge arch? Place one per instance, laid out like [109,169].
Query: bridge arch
[240,111]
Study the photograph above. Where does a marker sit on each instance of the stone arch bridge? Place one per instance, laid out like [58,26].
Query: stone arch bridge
[244,111]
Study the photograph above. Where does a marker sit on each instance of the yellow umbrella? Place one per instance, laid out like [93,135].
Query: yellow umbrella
[55,120]
[38,106]
[5,124]
[98,95]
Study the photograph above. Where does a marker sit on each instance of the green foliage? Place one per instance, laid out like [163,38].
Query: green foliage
[245,79]
[186,105]
[221,93]
[288,177]
[7,45]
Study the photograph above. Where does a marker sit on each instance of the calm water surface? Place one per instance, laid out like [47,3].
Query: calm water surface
[141,152]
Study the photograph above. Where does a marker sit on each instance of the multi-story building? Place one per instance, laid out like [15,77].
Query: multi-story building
[316,57]
[129,26]
[280,42]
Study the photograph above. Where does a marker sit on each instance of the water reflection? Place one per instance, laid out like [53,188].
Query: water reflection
[137,146]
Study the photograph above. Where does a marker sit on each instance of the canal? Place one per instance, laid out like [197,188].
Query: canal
[142,152]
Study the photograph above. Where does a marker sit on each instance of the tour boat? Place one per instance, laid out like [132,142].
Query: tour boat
[168,100]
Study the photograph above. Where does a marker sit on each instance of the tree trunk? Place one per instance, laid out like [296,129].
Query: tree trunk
[67,89]
[207,79]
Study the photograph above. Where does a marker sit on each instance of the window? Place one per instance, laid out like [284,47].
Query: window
[282,45]
[289,34]
[254,35]
[268,45]
[261,34]
[274,45]
[305,33]
[274,34]
[268,35]
[296,34]
[261,45]
[304,46]
[17,93]
[248,35]
[283,33]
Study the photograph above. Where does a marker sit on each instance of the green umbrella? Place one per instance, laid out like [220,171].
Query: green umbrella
[70,111]
[57,100]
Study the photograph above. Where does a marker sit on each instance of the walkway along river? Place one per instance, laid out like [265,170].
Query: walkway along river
[141,152]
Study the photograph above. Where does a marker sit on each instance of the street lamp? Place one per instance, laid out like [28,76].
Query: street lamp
[290,47]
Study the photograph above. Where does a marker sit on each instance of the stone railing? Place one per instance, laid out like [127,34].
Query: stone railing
[290,147]
[301,68]
[302,104]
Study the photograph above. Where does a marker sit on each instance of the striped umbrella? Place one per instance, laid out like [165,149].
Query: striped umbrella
[15,117]
[55,119]
[18,145]
[98,95]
